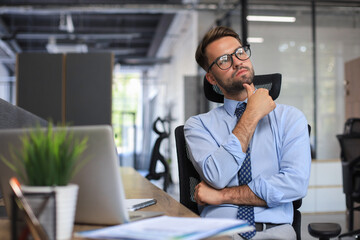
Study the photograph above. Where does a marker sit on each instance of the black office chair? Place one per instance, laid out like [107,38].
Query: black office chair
[188,176]
[157,156]
[350,162]
[352,126]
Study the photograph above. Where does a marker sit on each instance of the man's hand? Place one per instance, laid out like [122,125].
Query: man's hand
[258,106]
[204,194]
[259,103]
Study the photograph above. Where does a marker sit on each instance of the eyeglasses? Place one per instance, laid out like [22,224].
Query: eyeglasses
[226,61]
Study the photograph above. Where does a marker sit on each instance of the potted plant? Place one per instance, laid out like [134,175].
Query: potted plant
[47,162]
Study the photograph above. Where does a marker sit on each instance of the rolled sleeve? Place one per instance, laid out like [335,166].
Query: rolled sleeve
[217,156]
[288,173]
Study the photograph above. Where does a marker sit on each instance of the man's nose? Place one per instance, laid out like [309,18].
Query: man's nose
[236,62]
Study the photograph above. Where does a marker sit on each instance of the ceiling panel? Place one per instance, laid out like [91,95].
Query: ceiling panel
[132,30]
[87,25]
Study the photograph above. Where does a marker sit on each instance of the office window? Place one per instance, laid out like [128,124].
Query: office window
[7,85]
[125,114]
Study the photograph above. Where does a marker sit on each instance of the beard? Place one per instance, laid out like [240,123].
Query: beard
[233,85]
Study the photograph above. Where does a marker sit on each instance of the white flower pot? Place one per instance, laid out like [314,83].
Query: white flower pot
[66,197]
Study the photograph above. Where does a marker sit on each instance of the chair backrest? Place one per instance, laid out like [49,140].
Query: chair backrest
[157,156]
[350,155]
[352,126]
[188,176]
[350,161]
[272,82]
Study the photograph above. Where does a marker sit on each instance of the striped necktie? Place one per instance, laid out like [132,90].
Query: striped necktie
[244,175]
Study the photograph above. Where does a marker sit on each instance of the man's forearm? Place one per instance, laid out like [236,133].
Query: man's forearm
[241,195]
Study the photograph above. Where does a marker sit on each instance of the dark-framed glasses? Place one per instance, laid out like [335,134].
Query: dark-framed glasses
[226,61]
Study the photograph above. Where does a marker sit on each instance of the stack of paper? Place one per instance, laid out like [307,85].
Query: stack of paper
[165,227]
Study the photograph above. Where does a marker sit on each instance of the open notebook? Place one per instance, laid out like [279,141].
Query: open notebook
[101,197]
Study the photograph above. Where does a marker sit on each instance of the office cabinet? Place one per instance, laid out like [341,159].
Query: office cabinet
[352,88]
[352,104]
[67,88]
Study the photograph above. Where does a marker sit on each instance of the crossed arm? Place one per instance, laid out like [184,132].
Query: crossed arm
[259,105]
[240,195]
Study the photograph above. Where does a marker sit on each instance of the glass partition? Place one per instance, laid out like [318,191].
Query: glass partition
[338,41]
[287,48]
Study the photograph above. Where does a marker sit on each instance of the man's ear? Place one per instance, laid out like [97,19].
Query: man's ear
[210,78]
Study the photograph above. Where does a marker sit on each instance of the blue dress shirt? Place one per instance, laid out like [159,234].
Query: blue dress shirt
[280,158]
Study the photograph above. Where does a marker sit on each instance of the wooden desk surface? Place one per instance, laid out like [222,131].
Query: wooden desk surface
[136,186]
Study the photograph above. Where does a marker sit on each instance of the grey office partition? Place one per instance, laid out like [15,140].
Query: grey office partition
[39,84]
[67,88]
[88,88]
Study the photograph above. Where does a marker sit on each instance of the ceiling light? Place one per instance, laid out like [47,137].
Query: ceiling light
[53,47]
[258,18]
[66,48]
[255,40]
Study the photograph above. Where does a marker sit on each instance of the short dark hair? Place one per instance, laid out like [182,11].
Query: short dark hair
[214,34]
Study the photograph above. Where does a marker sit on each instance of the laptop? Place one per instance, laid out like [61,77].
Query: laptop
[101,197]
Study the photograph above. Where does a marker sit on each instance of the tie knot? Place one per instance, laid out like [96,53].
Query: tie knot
[240,109]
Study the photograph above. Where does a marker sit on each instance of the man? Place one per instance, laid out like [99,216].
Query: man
[271,138]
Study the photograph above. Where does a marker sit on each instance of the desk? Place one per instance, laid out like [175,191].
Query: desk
[136,186]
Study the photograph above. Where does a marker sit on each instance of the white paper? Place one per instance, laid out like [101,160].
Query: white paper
[165,227]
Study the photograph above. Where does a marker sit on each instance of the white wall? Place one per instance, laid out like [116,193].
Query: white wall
[180,44]
[325,193]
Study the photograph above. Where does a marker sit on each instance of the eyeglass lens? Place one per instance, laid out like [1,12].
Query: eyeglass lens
[224,62]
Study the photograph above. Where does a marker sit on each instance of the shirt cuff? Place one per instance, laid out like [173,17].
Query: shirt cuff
[233,146]
[266,191]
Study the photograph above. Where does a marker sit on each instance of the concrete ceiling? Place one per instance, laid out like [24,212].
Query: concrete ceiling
[132,31]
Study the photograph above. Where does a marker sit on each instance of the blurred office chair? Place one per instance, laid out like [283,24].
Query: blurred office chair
[352,126]
[324,231]
[157,156]
[350,162]
[188,176]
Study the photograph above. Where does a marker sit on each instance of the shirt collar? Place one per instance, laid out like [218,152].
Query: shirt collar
[231,105]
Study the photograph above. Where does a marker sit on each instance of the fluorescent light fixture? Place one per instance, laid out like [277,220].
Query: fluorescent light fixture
[258,18]
[255,40]
[66,48]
